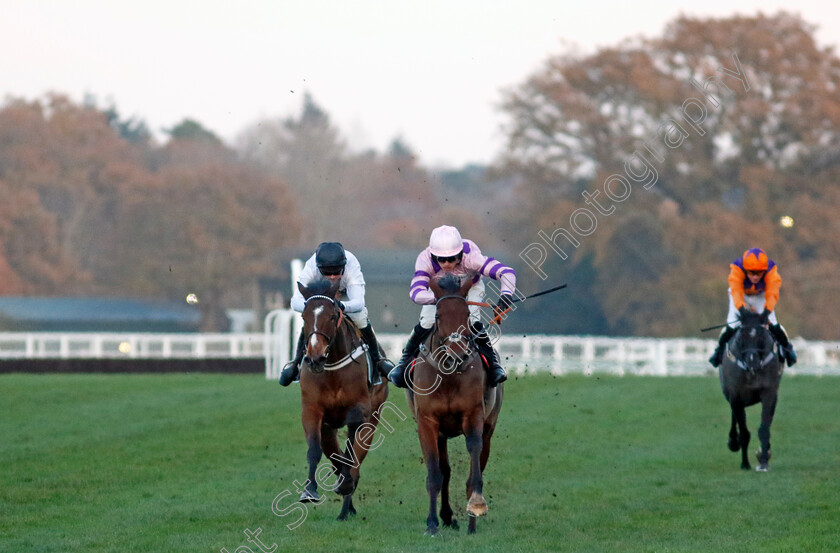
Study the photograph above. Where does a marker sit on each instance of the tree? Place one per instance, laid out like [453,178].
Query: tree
[753,137]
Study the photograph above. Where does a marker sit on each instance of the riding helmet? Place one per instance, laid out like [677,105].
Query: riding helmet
[445,241]
[754,259]
[330,254]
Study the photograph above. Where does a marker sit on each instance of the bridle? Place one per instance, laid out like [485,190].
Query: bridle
[745,352]
[466,342]
[329,339]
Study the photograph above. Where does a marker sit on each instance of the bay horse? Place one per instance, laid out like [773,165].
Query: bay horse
[448,397]
[750,373]
[335,393]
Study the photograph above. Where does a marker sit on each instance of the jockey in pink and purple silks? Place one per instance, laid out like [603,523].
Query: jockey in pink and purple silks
[449,253]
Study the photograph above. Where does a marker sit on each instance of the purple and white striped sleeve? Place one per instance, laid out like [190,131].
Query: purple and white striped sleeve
[497,270]
[419,291]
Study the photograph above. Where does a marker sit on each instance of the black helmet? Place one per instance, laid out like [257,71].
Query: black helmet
[330,254]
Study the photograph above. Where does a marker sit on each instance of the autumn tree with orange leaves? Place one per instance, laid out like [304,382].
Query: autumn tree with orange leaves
[769,148]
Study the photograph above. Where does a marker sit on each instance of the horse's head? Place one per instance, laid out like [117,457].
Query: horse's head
[453,314]
[754,342]
[321,319]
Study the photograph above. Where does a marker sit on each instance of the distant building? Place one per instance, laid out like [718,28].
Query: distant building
[20,314]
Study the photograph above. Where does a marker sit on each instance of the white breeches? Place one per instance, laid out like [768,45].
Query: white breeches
[476,293]
[756,302]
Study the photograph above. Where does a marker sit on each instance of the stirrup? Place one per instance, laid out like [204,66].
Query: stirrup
[290,373]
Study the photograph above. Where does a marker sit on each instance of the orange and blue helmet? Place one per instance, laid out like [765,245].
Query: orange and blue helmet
[754,259]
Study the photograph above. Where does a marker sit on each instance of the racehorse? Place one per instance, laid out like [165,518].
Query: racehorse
[750,373]
[335,393]
[448,398]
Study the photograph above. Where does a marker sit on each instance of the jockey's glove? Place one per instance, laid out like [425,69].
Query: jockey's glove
[503,304]
[765,316]
[341,305]
[743,311]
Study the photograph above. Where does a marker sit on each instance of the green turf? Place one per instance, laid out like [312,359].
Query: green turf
[180,463]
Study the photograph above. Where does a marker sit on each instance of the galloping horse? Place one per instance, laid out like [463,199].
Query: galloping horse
[448,397]
[335,392]
[750,373]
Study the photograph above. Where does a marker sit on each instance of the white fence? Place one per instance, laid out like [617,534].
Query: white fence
[523,354]
[564,354]
[70,345]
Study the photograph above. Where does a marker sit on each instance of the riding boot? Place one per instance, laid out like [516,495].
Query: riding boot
[495,372]
[412,348]
[291,372]
[717,357]
[788,354]
[382,365]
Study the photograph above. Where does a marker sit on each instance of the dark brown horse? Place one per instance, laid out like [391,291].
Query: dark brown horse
[448,398]
[335,393]
[750,373]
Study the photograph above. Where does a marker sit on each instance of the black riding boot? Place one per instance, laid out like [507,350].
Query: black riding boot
[778,332]
[382,365]
[717,357]
[291,372]
[495,372]
[410,351]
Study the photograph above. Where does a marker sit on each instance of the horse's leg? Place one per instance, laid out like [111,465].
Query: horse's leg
[733,444]
[485,448]
[446,471]
[768,409]
[428,429]
[329,442]
[312,428]
[744,435]
[473,426]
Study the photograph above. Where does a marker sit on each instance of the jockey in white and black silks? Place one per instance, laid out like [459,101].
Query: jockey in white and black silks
[754,284]
[448,252]
[332,262]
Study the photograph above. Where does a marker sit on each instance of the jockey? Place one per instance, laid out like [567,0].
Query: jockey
[333,262]
[754,284]
[447,252]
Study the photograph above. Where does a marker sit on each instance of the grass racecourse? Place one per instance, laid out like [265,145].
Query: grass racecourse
[189,462]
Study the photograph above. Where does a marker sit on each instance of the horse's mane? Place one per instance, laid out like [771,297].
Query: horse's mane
[320,287]
[449,283]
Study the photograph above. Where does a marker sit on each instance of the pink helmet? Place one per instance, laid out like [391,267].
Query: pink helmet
[445,241]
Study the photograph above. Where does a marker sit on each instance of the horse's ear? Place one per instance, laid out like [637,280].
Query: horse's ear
[465,287]
[304,290]
[436,289]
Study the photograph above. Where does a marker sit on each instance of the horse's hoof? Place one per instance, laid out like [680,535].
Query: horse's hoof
[309,497]
[431,532]
[453,525]
[745,466]
[762,457]
[762,468]
[477,507]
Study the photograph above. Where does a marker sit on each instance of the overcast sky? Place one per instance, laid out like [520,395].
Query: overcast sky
[430,71]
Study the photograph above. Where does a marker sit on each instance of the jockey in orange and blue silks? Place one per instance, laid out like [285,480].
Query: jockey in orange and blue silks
[754,284]
[449,253]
